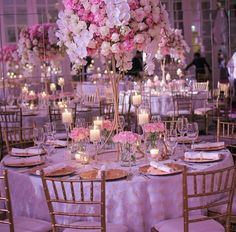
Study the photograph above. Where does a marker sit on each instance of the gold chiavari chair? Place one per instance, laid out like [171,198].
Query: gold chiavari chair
[170,124]
[10,119]
[106,109]
[201,86]
[209,184]
[17,224]
[82,195]
[182,105]
[18,137]
[226,131]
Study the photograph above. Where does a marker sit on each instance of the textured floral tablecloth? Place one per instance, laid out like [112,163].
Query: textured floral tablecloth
[138,203]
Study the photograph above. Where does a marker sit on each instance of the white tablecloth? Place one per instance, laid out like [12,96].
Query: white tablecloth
[138,203]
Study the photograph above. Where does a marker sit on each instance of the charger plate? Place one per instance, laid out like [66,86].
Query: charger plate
[110,174]
[68,170]
[23,164]
[221,157]
[148,170]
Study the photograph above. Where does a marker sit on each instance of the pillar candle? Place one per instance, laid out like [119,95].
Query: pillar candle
[94,134]
[136,99]
[143,118]
[67,117]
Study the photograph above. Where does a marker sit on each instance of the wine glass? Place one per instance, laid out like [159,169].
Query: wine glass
[182,126]
[80,122]
[38,136]
[50,129]
[122,122]
[192,132]
[171,140]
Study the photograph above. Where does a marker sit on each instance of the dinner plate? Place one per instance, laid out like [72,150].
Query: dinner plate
[23,165]
[209,148]
[148,170]
[110,174]
[25,154]
[221,157]
[68,170]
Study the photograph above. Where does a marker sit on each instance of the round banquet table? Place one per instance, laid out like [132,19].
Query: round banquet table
[138,203]
[163,103]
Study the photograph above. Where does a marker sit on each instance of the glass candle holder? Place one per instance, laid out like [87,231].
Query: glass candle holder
[136,99]
[143,116]
[98,121]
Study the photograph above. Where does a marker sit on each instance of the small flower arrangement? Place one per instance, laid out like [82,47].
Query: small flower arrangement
[153,131]
[157,127]
[126,137]
[79,133]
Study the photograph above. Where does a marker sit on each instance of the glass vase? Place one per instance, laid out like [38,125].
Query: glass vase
[127,155]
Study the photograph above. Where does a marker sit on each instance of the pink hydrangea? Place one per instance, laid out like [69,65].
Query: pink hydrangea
[107,125]
[79,133]
[126,137]
[157,127]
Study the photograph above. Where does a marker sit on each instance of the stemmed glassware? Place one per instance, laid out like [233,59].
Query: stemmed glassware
[38,136]
[192,132]
[182,126]
[171,140]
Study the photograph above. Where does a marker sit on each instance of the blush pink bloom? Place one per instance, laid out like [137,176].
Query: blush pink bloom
[79,133]
[107,125]
[157,127]
[126,137]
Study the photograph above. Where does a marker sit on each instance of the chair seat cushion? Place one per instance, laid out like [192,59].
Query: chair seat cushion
[110,227]
[222,208]
[24,224]
[202,111]
[176,113]
[177,225]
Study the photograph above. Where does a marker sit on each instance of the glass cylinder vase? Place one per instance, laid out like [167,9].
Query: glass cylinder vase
[127,155]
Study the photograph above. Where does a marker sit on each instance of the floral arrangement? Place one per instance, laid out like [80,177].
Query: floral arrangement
[112,28]
[157,127]
[107,125]
[9,54]
[126,137]
[79,133]
[173,44]
[38,44]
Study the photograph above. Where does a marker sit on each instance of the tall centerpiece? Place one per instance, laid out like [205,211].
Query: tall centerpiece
[38,46]
[112,30]
[173,44]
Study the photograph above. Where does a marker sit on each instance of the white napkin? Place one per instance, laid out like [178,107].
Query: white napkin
[208,145]
[52,168]
[62,143]
[161,167]
[103,168]
[15,161]
[202,155]
[33,151]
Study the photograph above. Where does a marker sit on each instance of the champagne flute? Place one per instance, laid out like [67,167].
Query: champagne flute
[171,140]
[192,132]
[182,126]
[38,136]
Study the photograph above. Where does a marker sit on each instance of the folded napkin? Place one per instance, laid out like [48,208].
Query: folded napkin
[208,145]
[33,151]
[161,167]
[62,143]
[52,168]
[103,168]
[202,155]
[15,161]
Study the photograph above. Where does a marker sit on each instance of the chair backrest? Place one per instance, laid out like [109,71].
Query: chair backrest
[201,86]
[171,124]
[83,193]
[10,119]
[226,130]
[18,137]
[224,88]
[182,101]
[54,114]
[106,109]
[205,185]
[5,200]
